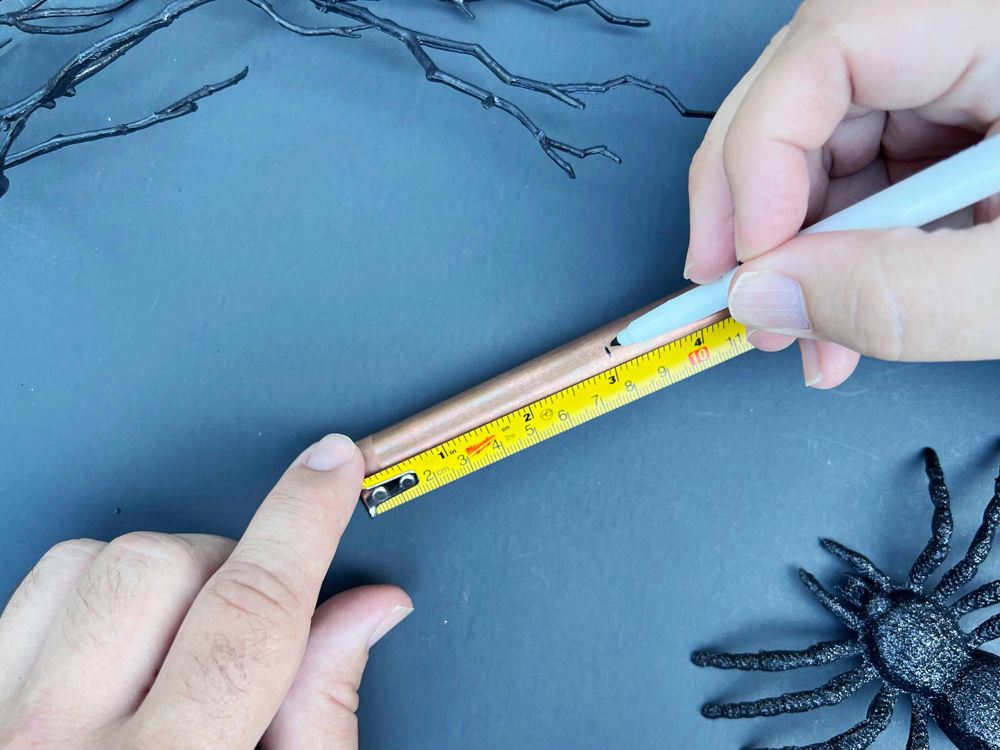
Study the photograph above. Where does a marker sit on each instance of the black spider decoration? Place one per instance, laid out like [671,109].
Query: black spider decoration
[908,639]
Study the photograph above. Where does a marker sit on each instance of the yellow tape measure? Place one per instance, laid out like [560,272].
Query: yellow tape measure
[554,414]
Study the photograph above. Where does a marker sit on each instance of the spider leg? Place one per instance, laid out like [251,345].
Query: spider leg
[941,524]
[967,568]
[856,589]
[859,562]
[863,734]
[985,596]
[778,661]
[919,740]
[828,600]
[836,690]
[988,631]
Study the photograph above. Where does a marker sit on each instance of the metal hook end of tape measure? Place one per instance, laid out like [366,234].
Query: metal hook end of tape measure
[570,407]
[374,496]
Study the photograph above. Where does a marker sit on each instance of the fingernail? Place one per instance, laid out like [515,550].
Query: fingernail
[330,452]
[395,616]
[811,368]
[769,301]
[687,270]
[751,332]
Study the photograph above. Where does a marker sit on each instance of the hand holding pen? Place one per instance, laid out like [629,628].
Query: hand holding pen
[844,102]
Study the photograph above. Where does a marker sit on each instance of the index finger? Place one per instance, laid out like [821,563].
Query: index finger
[241,644]
[879,54]
[710,250]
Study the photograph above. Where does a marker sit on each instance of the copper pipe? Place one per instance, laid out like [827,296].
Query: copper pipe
[566,366]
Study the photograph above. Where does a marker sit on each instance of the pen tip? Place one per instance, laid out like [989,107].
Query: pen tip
[614,341]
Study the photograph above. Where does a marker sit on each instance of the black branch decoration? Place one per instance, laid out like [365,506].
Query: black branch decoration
[611,18]
[37,18]
[26,19]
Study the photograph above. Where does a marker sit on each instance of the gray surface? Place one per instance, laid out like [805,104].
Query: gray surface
[335,244]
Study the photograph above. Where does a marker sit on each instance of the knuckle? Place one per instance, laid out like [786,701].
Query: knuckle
[295,504]
[819,12]
[732,144]
[212,544]
[217,676]
[282,500]
[72,554]
[304,506]
[259,614]
[699,166]
[874,325]
[740,146]
[161,550]
[98,605]
[778,39]
[255,591]
[74,550]
[108,594]
[333,711]
[340,695]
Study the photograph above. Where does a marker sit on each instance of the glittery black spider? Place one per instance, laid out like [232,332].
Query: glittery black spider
[908,639]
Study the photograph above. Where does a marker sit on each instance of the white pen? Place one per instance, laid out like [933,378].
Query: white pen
[950,185]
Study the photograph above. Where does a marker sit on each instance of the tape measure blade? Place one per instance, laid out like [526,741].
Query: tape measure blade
[555,414]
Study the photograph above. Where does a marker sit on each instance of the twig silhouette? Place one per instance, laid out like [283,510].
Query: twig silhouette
[14,117]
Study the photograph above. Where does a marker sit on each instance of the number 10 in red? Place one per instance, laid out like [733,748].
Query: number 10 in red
[698,356]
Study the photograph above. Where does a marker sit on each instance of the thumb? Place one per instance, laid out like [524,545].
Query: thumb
[902,294]
[319,710]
